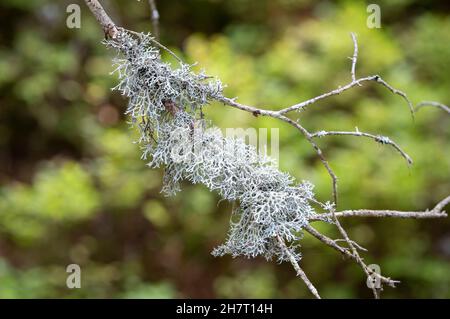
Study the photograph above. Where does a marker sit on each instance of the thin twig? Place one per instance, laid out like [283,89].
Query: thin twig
[355,252]
[354,57]
[341,89]
[308,136]
[353,242]
[109,27]
[345,252]
[398,92]
[297,268]
[440,206]
[251,109]
[328,241]
[436,212]
[389,213]
[435,104]
[377,138]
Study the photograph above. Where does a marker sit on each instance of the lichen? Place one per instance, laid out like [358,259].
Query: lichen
[166,104]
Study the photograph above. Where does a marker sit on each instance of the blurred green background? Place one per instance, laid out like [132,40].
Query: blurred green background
[74,190]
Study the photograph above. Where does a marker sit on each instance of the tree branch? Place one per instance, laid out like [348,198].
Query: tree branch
[354,58]
[435,104]
[436,212]
[319,152]
[377,138]
[297,268]
[109,27]
[345,252]
[389,213]
[341,89]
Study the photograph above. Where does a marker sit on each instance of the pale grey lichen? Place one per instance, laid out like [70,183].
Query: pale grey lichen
[166,103]
[383,139]
[149,83]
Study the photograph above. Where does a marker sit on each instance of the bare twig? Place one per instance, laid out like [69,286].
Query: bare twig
[436,212]
[354,57]
[328,241]
[297,268]
[389,213]
[345,252]
[377,138]
[353,242]
[435,104]
[398,92]
[251,109]
[319,152]
[109,27]
[354,251]
[341,89]
[440,206]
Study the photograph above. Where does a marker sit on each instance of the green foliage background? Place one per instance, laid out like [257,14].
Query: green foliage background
[74,190]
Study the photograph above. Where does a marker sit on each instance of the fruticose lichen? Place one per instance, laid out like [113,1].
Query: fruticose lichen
[166,103]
